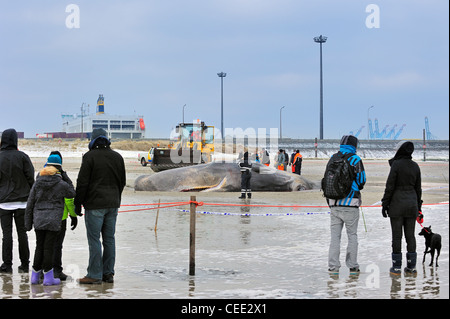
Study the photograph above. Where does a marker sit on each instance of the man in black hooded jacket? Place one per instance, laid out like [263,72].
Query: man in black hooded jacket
[402,202]
[16,180]
[100,183]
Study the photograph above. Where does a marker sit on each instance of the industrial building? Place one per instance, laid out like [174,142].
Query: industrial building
[117,126]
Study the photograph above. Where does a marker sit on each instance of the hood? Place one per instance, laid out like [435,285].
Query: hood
[348,144]
[48,170]
[404,150]
[48,177]
[9,139]
[99,142]
[349,140]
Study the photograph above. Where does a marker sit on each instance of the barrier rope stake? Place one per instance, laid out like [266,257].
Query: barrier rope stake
[157,214]
[362,213]
[193,204]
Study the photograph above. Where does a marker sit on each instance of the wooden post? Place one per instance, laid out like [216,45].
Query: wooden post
[192,237]
[157,215]
[315,146]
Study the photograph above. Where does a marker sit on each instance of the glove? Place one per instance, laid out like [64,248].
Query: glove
[384,211]
[78,210]
[420,218]
[73,222]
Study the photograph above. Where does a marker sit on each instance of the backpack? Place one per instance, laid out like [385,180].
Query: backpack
[339,176]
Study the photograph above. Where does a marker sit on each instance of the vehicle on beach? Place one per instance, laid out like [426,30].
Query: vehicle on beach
[193,144]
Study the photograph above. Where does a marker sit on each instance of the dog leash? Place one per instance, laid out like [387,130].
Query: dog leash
[421,218]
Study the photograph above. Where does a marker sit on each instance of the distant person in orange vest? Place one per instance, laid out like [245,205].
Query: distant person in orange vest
[297,163]
[281,161]
[291,162]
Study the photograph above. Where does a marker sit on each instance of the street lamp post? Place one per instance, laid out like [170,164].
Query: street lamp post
[368,119]
[183,111]
[281,135]
[82,119]
[321,39]
[221,76]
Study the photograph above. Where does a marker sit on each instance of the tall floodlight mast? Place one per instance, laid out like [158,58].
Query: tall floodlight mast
[321,39]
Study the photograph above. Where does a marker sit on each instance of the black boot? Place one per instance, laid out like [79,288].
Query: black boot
[411,259]
[59,274]
[249,195]
[242,196]
[396,268]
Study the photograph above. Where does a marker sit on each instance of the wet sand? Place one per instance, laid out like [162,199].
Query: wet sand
[279,256]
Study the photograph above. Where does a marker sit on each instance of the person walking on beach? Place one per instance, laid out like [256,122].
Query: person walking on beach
[402,202]
[16,180]
[45,208]
[100,183]
[345,208]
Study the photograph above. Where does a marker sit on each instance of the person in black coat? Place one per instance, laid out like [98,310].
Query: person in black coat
[100,183]
[16,180]
[402,202]
[245,167]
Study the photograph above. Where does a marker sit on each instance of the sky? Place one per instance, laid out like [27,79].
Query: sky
[152,57]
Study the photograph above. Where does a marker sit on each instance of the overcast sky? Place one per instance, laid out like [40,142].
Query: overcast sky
[151,57]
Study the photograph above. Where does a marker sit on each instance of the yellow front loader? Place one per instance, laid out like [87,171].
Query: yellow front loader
[193,144]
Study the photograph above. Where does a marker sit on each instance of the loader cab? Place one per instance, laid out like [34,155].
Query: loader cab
[195,135]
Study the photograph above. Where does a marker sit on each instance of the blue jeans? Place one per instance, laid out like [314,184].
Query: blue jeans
[101,221]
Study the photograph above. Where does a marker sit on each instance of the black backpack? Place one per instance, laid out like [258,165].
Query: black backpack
[339,176]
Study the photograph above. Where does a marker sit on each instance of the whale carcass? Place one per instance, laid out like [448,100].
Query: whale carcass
[217,176]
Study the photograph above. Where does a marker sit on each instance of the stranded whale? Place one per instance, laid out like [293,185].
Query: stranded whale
[218,176]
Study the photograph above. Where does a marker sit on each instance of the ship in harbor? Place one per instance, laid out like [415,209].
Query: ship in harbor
[116,126]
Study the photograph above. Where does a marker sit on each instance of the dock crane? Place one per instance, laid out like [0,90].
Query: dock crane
[357,132]
[377,132]
[427,130]
[383,132]
[371,130]
[391,132]
[399,131]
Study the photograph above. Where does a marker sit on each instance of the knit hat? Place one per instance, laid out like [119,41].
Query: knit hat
[56,153]
[54,159]
[349,140]
[98,132]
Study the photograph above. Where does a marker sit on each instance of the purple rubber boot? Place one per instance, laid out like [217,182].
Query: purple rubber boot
[49,280]
[35,276]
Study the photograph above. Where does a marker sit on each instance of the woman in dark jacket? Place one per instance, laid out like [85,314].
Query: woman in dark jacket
[402,202]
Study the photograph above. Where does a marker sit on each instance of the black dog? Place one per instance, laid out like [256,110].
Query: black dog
[432,243]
